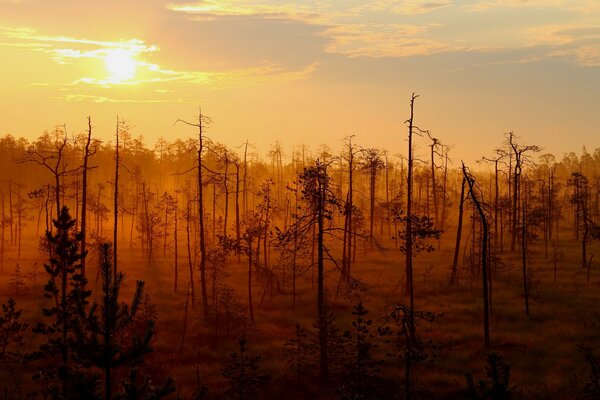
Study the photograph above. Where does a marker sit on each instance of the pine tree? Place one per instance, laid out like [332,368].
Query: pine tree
[136,388]
[336,345]
[66,289]
[297,350]
[496,386]
[17,284]
[12,332]
[106,322]
[361,381]
[12,340]
[244,375]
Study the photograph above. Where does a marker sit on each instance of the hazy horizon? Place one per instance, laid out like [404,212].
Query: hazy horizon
[305,73]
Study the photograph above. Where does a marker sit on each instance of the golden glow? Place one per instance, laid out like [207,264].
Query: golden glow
[120,64]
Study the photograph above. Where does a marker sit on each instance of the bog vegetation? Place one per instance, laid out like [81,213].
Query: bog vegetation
[196,271]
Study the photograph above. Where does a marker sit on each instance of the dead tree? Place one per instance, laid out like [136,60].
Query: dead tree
[226,161]
[520,157]
[434,192]
[549,198]
[53,160]
[188,218]
[524,258]
[200,124]
[253,229]
[348,213]
[500,155]
[87,153]
[580,199]
[454,271]
[372,163]
[445,151]
[409,219]
[316,192]
[236,162]
[116,197]
[484,251]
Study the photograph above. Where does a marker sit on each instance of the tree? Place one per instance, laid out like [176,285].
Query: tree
[348,210]
[202,121]
[17,284]
[372,163]
[520,154]
[362,370]
[54,160]
[580,199]
[411,347]
[461,204]
[244,375]
[409,219]
[12,340]
[500,155]
[252,229]
[435,143]
[106,322]
[297,349]
[316,191]
[473,189]
[116,196]
[66,289]
[496,385]
[84,173]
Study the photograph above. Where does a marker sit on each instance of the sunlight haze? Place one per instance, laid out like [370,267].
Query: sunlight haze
[307,72]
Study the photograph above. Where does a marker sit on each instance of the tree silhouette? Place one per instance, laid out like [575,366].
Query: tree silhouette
[244,375]
[66,289]
[107,321]
[362,369]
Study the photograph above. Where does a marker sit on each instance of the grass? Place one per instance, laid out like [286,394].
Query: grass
[541,348]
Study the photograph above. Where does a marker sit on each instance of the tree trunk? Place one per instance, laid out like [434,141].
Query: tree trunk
[116,200]
[484,258]
[453,274]
[524,259]
[201,221]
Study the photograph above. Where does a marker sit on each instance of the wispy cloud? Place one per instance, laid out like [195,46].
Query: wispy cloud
[402,7]
[583,6]
[340,24]
[580,42]
[382,40]
[210,9]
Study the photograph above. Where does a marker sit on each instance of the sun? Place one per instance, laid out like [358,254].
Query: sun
[120,65]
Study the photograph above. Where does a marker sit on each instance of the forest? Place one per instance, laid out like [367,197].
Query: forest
[187,269]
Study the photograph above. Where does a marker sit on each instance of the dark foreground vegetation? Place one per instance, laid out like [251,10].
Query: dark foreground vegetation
[191,270]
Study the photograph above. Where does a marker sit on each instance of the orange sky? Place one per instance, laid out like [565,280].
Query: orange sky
[307,72]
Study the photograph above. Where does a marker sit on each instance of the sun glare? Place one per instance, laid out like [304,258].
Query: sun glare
[120,64]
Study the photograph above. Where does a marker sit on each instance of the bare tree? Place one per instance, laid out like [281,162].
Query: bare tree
[200,124]
[473,189]
[454,271]
[54,160]
[520,157]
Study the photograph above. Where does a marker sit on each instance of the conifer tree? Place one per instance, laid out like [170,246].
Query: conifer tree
[66,289]
[362,369]
[108,318]
[12,341]
[244,375]
[297,350]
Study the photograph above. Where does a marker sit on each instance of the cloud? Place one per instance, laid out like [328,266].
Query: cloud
[580,42]
[132,52]
[344,27]
[382,40]
[210,9]
[403,7]
[582,6]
